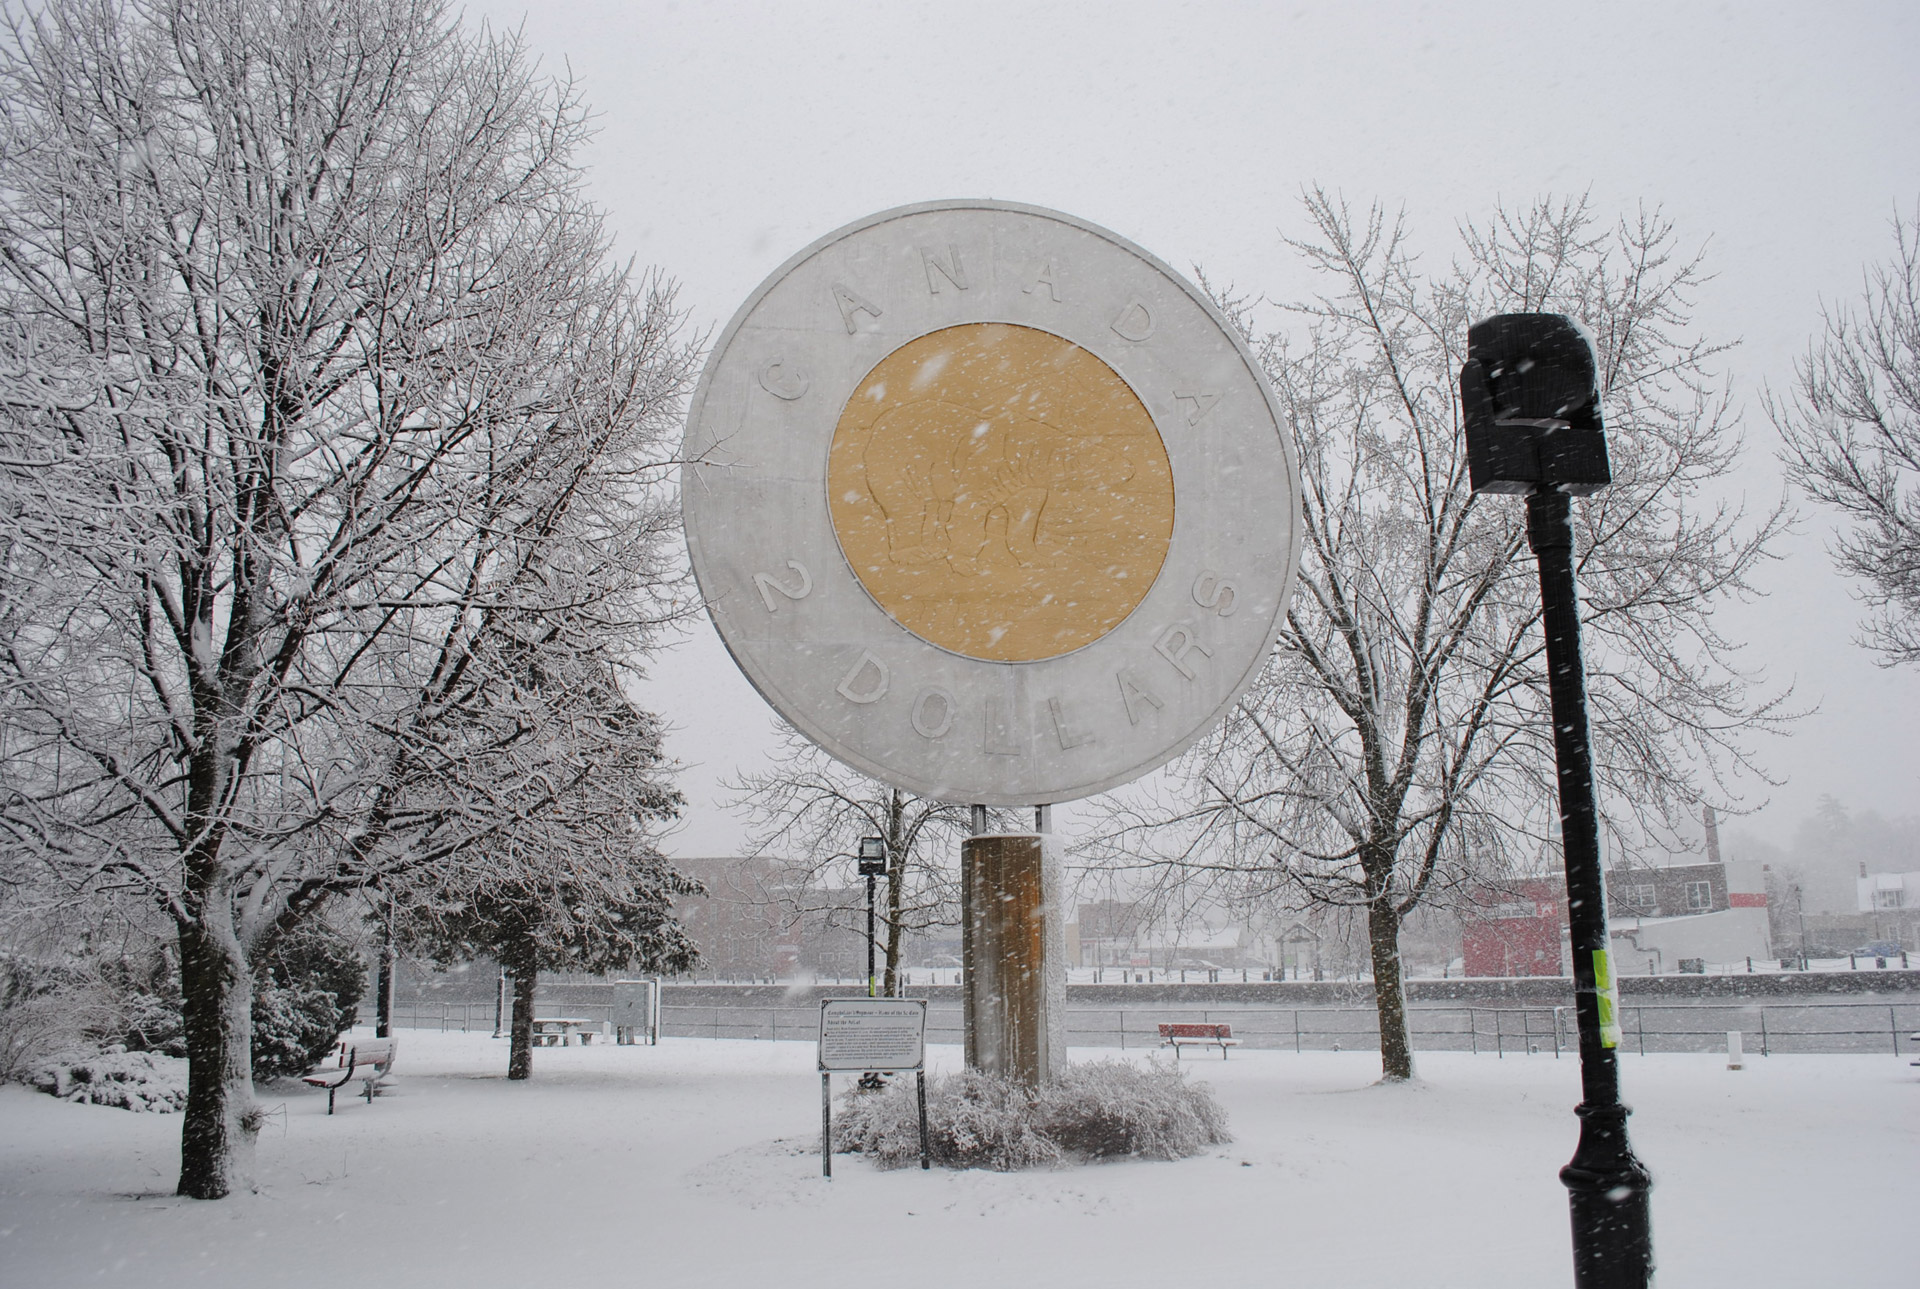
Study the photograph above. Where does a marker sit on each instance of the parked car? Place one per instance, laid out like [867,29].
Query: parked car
[1878,949]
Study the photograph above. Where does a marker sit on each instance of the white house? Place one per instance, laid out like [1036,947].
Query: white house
[1889,892]
[1727,928]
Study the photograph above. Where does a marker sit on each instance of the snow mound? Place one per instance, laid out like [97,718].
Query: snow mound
[1095,1111]
[129,1080]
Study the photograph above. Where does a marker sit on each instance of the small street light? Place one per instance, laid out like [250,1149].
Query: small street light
[873,863]
[1531,406]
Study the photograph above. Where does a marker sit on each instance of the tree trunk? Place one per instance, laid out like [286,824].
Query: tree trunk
[892,987]
[383,1005]
[520,1046]
[1389,996]
[217,1135]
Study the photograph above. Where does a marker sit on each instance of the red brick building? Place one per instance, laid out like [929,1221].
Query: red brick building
[1515,929]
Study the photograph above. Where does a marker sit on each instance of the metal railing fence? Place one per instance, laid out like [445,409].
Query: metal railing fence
[1498,1031]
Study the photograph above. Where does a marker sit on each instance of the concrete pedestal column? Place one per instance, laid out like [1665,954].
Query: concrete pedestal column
[1014,982]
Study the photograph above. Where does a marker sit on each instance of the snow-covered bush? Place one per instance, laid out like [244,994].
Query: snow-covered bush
[87,1000]
[304,993]
[1116,1110]
[130,1080]
[305,990]
[1104,1110]
[38,1012]
[293,1028]
[137,1003]
[973,1121]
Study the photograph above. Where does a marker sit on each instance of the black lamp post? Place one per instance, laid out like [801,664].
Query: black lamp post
[1532,412]
[873,863]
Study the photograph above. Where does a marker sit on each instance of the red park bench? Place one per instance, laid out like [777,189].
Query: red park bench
[368,1060]
[1178,1036]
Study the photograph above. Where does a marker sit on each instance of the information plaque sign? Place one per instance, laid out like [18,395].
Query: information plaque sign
[870,1036]
[862,1034]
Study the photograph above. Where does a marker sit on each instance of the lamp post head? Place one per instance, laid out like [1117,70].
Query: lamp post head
[873,857]
[1531,405]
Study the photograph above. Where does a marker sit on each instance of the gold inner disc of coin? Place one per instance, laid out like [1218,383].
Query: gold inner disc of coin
[1000,492]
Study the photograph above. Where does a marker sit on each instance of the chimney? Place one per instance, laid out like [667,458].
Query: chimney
[1713,833]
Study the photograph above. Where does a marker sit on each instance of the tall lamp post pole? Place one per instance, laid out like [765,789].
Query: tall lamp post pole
[1532,413]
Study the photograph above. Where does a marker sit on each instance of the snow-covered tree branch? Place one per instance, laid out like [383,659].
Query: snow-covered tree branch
[808,815]
[1397,748]
[324,425]
[1851,423]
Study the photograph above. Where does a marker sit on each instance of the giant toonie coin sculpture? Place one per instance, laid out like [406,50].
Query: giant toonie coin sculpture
[989,503]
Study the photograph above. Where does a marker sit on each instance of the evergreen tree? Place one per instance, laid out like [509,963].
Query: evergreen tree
[580,887]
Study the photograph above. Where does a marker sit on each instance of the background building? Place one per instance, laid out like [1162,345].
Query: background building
[1517,928]
[1890,903]
[1687,913]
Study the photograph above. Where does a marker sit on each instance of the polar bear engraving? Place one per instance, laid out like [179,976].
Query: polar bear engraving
[1000,492]
[983,485]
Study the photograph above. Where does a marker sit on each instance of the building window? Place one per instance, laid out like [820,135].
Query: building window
[1641,895]
[1699,896]
[1887,899]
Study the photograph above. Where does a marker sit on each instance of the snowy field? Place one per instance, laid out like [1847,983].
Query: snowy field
[695,1164]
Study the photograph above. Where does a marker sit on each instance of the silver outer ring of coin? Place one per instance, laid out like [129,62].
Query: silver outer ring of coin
[831,661]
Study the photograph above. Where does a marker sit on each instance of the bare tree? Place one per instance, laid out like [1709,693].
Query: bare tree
[321,407]
[810,812]
[1397,747]
[1851,424]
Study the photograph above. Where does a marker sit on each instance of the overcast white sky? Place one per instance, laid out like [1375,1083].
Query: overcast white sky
[1780,136]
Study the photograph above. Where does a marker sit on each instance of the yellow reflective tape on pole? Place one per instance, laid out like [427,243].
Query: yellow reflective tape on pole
[1607,992]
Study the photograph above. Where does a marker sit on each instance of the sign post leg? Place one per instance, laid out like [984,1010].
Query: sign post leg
[925,1162]
[826,1125]
[968,1019]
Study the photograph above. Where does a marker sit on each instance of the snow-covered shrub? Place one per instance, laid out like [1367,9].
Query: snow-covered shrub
[137,1003]
[41,1012]
[1103,1110]
[130,1080]
[304,993]
[293,1028]
[305,990]
[1115,1110]
[87,1001]
[973,1121]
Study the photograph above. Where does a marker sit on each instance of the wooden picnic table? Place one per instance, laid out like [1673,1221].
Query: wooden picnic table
[560,1031]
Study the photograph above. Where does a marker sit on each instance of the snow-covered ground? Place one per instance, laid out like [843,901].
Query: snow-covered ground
[695,1164]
